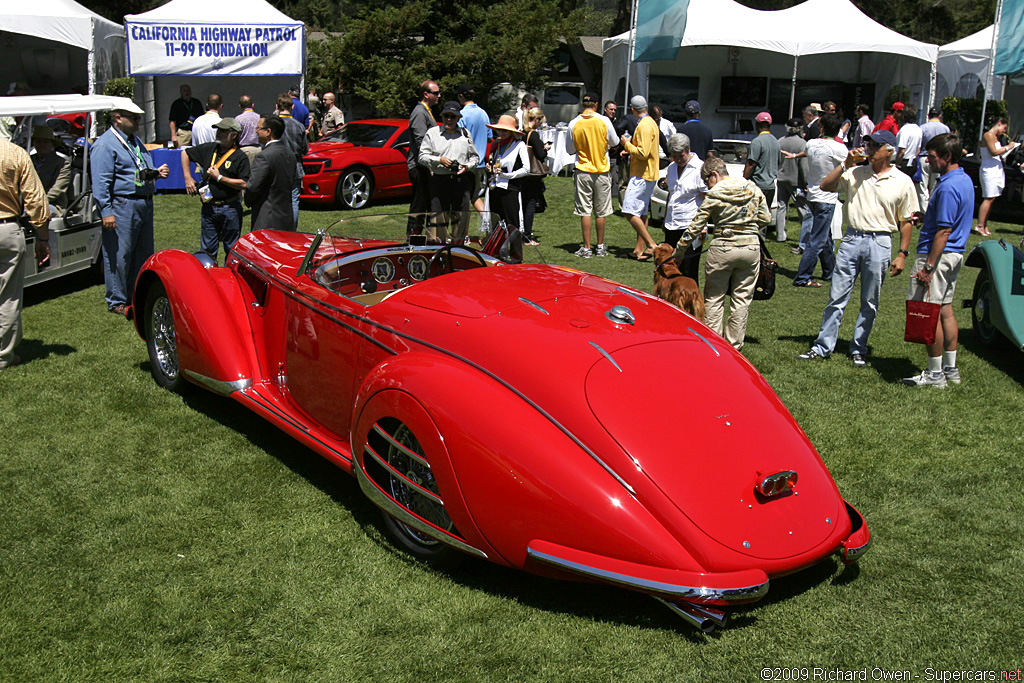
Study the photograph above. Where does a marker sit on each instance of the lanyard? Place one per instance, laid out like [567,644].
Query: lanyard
[216,164]
[135,154]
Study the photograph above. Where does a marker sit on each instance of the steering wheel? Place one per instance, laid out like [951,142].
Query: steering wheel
[447,249]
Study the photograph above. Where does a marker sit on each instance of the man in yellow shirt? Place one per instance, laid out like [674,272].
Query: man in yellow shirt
[590,137]
[643,171]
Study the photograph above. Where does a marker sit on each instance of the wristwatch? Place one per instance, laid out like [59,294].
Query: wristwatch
[904,252]
[928,268]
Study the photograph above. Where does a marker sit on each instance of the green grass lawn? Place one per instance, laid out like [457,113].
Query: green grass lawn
[146,537]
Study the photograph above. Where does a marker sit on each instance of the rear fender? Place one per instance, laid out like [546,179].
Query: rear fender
[518,476]
[206,303]
[1005,265]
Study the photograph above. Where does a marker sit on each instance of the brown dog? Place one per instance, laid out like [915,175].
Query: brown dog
[674,287]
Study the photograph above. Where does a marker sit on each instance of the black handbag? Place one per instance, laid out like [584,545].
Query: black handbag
[764,288]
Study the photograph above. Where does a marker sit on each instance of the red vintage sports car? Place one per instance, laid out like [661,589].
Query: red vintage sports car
[363,162]
[400,362]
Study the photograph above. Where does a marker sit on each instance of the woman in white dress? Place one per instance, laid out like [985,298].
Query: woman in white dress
[992,176]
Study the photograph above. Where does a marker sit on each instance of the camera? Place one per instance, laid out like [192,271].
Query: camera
[148,174]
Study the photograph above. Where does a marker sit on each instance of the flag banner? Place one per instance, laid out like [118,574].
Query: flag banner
[1009,58]
[659,29]
[214,49]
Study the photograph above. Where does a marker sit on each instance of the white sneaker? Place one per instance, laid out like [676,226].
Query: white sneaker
[927,379]
[583,252]
[952,374]
[601,251]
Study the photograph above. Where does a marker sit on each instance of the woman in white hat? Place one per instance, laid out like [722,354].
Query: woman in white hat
[509,163]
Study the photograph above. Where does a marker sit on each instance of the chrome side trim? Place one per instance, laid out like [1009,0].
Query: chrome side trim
[632,294]
[530,303]
[606,355]
[745,593]
[406,481]
[219,386]
[391,440]
[318,304]
[701,337]
[378,498]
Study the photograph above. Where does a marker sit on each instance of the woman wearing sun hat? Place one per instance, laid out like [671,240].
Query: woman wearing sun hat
[509,163]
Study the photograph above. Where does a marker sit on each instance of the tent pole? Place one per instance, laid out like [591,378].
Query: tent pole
[991,68]
[629,53]
[792,89]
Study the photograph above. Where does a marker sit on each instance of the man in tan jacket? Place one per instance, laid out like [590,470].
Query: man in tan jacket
[643,170]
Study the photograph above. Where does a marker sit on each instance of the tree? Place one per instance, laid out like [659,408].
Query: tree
[385,53]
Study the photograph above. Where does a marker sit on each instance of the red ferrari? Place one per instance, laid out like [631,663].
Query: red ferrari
[400,362]
[361,163]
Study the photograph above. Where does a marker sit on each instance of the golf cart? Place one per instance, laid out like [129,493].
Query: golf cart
[75,237]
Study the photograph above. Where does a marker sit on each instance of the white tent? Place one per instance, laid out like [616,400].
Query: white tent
[49,39]
[808,52]
[964,65]
[227,47]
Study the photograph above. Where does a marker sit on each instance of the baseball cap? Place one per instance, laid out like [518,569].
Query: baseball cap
[692,107]
[465,89]
[451,107]
[763,117]
[884,137]
[898,106]
[638,102]
[591,96]
[795,123]
[816,106]
[228,123]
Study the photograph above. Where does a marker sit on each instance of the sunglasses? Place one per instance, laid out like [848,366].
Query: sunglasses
[433,92]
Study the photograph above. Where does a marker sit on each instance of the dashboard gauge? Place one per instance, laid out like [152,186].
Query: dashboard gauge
[383,270]
[418,267]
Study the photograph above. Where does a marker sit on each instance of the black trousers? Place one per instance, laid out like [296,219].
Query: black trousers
[690,265]
[533,195]
[449,194]
[505,203]
[420,203]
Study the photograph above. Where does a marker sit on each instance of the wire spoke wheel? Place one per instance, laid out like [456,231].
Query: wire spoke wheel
[413,500]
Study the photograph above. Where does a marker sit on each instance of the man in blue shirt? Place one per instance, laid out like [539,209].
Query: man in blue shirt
[122,185]
[299,110]
[475,120]
[940,253]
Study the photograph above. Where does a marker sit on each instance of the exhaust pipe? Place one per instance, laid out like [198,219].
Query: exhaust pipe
[704,618]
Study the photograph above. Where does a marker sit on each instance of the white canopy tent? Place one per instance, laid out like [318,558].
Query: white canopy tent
[228,47]
[60,46]
[809,51]
[964,65]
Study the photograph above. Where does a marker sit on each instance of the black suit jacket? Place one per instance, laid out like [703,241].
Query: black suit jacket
[269,190]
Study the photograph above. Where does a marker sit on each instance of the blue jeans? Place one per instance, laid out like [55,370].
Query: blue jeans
[787,193]
[296,191]
[867,255]
[126,247]
[819,244]
[220,224]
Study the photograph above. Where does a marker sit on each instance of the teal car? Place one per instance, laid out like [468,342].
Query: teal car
[997,307]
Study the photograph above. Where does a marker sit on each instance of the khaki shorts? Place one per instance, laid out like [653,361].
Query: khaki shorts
[943,284]
[593,194]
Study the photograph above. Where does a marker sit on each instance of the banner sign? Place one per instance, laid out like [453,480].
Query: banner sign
[1009,55]
[659,29]
[196,49]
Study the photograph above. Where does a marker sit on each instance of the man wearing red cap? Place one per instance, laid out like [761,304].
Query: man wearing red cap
[891,122]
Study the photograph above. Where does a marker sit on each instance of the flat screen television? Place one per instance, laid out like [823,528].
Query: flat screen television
[749,92]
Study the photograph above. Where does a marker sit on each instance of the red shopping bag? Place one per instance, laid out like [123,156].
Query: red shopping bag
[922,319]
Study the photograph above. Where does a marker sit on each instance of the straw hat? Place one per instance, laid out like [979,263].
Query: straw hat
[506,122]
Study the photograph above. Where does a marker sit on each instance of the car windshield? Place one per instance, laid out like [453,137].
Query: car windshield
[362,134]
[732,151]
[366,258]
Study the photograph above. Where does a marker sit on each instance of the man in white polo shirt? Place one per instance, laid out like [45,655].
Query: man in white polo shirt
[879,201]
